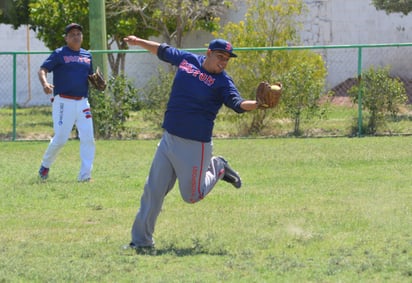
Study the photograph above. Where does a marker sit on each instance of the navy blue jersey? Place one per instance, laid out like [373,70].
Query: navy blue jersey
[70,71]
[196,95]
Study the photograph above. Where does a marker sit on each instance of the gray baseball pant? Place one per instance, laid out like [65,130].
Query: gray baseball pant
[190,162]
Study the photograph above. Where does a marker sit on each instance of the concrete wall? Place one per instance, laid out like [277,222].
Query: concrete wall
[29,90]
[346,22]
[336,22]
[329,22]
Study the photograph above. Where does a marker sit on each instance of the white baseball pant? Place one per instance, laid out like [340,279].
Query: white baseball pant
[66,113]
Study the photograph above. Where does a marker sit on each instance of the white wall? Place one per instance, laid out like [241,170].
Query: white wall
[346,22]
[329,22]
[336,22]
[28,88]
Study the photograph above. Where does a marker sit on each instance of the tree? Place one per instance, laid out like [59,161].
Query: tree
[173,18]
[393,6]
[170,19]
[48,18]
[267,24]
[14,12]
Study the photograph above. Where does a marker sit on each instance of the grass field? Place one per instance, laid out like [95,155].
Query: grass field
[339,121]
[310,210]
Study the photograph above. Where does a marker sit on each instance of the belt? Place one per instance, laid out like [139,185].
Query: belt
[71,97]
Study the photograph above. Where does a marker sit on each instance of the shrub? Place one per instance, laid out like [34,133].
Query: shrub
[380,94]
[304,84]
[267,24]
[155,96]
[112,107]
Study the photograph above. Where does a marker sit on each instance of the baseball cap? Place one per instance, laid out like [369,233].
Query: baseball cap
[71,26]
[222,45]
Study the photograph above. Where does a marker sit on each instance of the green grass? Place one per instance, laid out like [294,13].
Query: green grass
[340,121]
[310,210]
[31,123]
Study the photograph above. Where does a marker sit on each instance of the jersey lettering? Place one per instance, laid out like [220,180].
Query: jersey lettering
[190,69]
[71,59]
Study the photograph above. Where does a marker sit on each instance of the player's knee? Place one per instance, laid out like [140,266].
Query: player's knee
[58,143]
[192,199]
[87,140]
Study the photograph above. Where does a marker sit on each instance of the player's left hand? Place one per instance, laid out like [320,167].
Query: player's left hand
[48,88]
[268,96]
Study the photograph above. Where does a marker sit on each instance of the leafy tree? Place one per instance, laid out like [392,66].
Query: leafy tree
[49,17]
[267,24]
[173,18]
[381,94]
[393,6]
[14,12]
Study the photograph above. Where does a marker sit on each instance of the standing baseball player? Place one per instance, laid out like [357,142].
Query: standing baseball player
[71,66]
[200,88]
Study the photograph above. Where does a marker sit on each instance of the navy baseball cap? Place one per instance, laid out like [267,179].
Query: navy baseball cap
[222,45]
[72,26]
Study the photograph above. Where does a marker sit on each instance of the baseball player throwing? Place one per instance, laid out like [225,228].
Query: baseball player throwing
[200,88]
[71,66]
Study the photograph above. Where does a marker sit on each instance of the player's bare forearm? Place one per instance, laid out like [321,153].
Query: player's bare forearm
[149,45]
[47,88]
[248,105]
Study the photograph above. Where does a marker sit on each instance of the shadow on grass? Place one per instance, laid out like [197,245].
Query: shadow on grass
[174,251]
[190,251]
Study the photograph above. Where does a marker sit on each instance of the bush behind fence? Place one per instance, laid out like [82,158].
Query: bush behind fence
[20,88]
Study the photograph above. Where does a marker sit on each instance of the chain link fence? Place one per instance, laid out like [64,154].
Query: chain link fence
[20,87]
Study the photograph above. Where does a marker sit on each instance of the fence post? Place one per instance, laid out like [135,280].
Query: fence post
[360,92]
[98,35]
[14,95]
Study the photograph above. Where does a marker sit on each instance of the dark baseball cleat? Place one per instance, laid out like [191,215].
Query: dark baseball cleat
[43,172]
[230,176]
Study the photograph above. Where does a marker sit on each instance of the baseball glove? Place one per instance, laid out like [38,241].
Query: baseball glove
[97,80]
[268,96]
